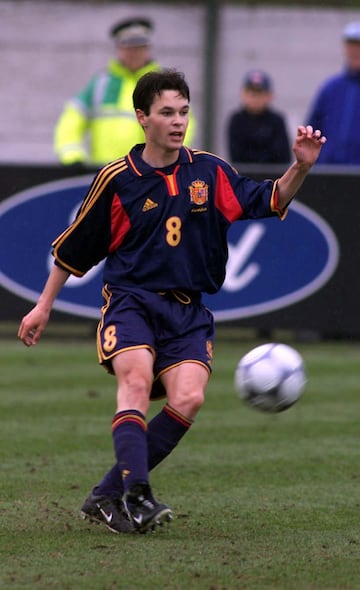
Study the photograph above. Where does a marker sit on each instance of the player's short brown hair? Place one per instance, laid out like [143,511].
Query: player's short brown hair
[154,83]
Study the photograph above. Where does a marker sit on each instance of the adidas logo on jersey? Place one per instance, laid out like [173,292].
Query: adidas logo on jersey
[149,204]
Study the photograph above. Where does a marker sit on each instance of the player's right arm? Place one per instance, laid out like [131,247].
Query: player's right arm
[34,323]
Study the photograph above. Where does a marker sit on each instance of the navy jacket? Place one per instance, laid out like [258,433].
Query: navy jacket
[336,112]
[258,138]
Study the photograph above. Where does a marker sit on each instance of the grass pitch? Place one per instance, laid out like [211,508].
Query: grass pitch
[260,501]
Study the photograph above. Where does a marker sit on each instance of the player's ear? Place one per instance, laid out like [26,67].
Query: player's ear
[141,117]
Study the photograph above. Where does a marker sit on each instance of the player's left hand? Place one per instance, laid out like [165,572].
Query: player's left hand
[307,145]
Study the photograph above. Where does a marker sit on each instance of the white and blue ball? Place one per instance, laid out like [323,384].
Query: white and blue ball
[271,377]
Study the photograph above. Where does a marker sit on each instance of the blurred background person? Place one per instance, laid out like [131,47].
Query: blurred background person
[336,107]
[256,133]
[99,125]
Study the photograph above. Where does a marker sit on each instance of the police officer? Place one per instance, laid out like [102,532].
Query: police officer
[99,125]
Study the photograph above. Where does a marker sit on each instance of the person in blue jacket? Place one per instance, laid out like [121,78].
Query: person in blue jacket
[336,108]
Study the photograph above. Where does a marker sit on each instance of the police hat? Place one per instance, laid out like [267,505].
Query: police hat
[257,80]
[133,32]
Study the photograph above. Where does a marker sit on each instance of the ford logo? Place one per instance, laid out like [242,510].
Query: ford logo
[271,264]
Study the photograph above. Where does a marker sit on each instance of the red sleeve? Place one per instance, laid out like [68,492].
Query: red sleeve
[120,223]
[225,199]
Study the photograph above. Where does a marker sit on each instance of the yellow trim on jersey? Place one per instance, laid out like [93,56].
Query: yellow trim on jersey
[197,152]
[171,179]
[189,153]
[133,166]
[282,213]
[103,178]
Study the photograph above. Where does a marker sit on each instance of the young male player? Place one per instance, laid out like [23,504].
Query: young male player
[159,216]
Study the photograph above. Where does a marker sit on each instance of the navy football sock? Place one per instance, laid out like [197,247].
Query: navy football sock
[111,485]
[130,444]
[164,432]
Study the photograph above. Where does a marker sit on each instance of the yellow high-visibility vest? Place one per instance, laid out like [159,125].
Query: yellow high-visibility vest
[99,124]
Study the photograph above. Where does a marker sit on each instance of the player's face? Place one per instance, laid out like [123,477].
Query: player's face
[166,124]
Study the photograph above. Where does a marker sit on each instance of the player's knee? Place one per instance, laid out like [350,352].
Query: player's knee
[134,390]
[197,399]
[188,402]
[138,385]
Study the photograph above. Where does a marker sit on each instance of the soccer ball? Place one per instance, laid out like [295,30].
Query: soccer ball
[270,377]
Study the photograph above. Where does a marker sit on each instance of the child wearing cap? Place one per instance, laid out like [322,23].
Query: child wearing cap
[256,133]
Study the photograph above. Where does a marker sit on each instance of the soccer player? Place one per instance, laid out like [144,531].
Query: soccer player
[159,216]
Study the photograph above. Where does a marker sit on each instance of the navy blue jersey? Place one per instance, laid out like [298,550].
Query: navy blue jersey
[166,228]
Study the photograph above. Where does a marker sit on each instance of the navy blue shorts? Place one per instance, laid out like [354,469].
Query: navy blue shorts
[175,326]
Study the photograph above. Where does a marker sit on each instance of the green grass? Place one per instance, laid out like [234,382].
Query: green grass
[261,501]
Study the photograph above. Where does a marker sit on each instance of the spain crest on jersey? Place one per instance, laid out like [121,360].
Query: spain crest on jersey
[199,192]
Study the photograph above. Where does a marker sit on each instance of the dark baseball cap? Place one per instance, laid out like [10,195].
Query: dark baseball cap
[133,32]
[257,80]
